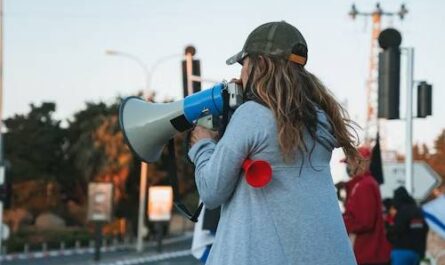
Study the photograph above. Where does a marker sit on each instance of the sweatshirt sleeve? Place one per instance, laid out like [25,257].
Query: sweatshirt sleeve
[218,165]
[360,210]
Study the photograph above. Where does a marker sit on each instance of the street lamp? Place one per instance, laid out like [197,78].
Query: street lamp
[148,72]
[157,63]
[138,61]
[142,230]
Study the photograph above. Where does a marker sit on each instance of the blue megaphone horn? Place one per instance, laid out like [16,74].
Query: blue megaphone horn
[148,126]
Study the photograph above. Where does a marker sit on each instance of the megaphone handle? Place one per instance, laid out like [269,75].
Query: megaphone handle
[174,183]
[206,121]
[225,112]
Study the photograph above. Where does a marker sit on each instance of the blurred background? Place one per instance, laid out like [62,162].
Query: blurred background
[67,65]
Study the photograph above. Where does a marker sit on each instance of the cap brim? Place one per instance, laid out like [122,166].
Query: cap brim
[237,58]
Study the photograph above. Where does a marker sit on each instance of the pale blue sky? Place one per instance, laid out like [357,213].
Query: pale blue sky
[55,49]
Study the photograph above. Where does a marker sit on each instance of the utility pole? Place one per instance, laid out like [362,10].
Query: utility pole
[191,71]
[409,120]
[2,175]
[371,124]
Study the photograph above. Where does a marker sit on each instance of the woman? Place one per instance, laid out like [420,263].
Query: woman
[290,120]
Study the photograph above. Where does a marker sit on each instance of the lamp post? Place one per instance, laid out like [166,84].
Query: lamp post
[409,120]
[158,62]
[139,62]
[1,121]
[148,73]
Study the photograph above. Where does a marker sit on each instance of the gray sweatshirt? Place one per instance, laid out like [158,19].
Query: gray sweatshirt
[295,219]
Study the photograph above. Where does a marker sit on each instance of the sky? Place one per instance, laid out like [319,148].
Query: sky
[55,50]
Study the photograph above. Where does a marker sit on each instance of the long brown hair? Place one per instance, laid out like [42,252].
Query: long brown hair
[292,93]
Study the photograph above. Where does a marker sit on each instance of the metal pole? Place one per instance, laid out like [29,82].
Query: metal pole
[1,228]
[144,67]
[1,116]
[189,67]
[157,63]
[97,240]
[409,120]
[1,81]
[142,230]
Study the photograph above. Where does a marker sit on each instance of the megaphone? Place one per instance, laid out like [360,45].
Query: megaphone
[258,172]
[148,126]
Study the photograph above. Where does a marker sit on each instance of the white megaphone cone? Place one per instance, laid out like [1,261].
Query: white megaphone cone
[147,127]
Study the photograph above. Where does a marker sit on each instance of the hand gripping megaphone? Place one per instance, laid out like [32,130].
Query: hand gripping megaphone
[148,126]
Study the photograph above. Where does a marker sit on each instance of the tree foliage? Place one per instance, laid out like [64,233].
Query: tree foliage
[34,144]
[90,148]
[95,147]
[436,157]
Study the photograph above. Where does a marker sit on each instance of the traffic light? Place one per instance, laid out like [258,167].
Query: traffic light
[389,74]
[424,99]
[187,73]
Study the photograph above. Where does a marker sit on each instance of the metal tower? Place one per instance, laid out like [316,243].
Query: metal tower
[372,125]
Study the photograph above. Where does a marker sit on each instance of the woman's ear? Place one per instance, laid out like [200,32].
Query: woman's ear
[261,60]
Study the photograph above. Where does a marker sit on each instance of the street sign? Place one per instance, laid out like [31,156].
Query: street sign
[425,179]
[2,175]
[5,231]
[160,203]
[100,198]
[434,212]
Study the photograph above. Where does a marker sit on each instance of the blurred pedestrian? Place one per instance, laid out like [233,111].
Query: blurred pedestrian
[389,214]
[363,214]
[291,120]
[202,239]
[408,234]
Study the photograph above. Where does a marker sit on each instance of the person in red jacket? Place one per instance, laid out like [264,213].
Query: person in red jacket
[363,214]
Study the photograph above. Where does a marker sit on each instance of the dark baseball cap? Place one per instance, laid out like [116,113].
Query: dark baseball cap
[274,39]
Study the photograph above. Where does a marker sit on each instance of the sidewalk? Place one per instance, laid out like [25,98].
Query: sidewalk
[436,247]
